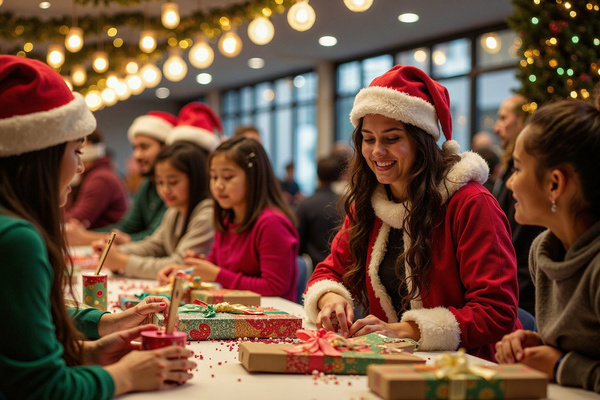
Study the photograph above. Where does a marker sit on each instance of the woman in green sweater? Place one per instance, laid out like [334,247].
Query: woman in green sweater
[42,353]
[555,185]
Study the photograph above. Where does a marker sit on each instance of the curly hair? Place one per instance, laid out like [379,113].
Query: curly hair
[424,199]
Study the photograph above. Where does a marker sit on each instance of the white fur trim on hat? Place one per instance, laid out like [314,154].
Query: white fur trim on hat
[204,138]
[93,151]
[36,131]
[318,289]
[398,105]
[439,328]
[150,125]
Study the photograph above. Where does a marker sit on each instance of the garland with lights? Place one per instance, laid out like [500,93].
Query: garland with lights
[560,47]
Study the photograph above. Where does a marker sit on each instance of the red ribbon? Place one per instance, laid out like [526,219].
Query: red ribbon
[322,342]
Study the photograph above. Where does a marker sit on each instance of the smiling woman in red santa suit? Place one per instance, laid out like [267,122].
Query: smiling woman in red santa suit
[43,126]
[424,249]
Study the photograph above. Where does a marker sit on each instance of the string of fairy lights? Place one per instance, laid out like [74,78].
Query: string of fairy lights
[93,56]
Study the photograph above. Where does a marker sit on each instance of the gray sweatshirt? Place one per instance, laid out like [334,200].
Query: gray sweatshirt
[568,304]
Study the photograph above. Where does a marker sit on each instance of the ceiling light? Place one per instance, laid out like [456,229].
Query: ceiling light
[56,55]
[201,55]
[301,16]
[122,90]
[100,63]
[358,5]
[174,69]
[204,78]
[112,81]
[93,100]
[109,97]
[44,5]
[79,75]
[147,41]
[299,81]
[151,75]
[74,39]
[170,15]
[132,67]
[256,63]
[162,92]
[261,30]
[230,44]
[327,41]
[135,83]
[408,18]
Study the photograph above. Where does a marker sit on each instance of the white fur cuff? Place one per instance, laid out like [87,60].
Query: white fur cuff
[318,289]
[439,328]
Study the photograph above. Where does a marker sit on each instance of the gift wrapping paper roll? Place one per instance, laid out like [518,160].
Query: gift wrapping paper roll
[95,290]
[157,339]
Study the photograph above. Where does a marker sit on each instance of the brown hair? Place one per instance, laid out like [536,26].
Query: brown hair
[22,179]
[263,188]
[568,132]
[430,167]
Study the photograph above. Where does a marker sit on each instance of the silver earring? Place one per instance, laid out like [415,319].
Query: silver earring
[553,208]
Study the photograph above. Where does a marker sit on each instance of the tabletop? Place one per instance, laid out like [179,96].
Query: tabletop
[219,374]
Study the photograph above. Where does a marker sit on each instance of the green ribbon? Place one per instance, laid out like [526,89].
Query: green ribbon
[146,294]
[209,311]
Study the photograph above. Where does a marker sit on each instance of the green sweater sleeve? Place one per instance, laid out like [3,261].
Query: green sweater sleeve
[31,363]
[86,320]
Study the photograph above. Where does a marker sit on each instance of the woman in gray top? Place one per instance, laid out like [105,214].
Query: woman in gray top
[556,185]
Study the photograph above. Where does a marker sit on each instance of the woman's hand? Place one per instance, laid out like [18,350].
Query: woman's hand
[115,260]
[164,274]
[113,347]
[511,348]
[206,270]
[151,370]
[335,310]
[135,316]
[372,324]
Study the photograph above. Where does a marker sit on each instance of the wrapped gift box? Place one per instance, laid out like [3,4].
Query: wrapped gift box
[243,297]
[272,357]
[403,382]
[127,301]
[272,324]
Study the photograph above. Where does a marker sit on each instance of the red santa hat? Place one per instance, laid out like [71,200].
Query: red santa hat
[37,108]
[155,124]
[197,123]
[407,94]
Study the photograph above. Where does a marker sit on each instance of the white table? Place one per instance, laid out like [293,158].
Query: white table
[219,375]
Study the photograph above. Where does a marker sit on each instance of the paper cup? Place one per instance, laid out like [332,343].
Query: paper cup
[157,339]
[95,290]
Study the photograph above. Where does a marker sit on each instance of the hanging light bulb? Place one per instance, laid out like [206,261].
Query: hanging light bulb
[358,5]
[174,69]
[170,15]
[93,99]
[122,90]
[147,41]
[151,75]
[112,81]
[109,97]
[261,30]
[135,84]
[100,63]
[56,55]
[74,39]
[301,16]
[79,75]
[132,67]
[230,44]
[201,55]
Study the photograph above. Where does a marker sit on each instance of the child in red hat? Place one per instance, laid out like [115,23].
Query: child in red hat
[43,126]
[424,249]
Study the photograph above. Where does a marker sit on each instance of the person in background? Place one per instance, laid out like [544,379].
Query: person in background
[317,215]
[511,118]
[256,243]
[291,190]
[555,184]
[42,354]
[342,151]
[424,246]
[197,123]
[493,162]
[100,198]
[148,134]
[182,182]
[249,131]
[483,140]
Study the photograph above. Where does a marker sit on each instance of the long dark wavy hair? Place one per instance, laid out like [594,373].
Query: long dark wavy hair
[568,132]
[264,189]
[430,168]
[29,189]
[190,159]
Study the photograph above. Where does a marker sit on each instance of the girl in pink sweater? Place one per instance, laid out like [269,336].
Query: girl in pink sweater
[256,243]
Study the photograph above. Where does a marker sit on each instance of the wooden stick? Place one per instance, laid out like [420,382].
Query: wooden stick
[176,295]
[105,252]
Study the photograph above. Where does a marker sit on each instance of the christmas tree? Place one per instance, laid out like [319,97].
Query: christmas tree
[560,48]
